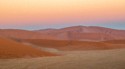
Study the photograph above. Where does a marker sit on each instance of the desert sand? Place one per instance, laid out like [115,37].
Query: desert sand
[13,49]
[105,59]
[94,48]
[67,45]
[81,33]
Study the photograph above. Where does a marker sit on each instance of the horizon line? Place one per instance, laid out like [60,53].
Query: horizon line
[59,28]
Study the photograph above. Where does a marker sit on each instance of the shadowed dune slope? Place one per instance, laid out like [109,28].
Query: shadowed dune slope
[13,49]
[74,45]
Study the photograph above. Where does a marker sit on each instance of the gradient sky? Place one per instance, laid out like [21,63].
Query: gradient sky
[39,14]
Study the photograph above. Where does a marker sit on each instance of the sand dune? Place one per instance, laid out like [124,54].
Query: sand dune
[12,49]
[23,34]
[81,33]
[105,59]
[79,48]
[84,33]
[66,45]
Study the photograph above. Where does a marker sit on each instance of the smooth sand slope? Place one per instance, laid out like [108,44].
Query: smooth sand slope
[66,45]
[105,59]
[12,49]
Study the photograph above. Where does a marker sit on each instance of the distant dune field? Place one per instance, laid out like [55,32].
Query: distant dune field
[80,33]
[103,59]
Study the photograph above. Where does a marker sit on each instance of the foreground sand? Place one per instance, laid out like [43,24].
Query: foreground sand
[105,59]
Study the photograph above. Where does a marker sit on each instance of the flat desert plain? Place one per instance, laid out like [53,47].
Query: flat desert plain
[99,59]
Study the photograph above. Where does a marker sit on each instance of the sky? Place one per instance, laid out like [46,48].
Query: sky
[40,14]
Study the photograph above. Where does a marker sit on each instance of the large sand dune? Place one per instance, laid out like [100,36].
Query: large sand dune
[12,49]
[106,59]
[84,33]
[81,33]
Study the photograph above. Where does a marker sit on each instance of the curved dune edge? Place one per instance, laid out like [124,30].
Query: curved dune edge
[13,49]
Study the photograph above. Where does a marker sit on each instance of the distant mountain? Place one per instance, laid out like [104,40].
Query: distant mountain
[81,33]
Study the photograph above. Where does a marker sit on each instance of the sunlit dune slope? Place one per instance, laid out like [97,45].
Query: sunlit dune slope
[74,45]
[13,49]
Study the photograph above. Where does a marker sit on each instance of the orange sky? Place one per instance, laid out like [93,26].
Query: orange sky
[63,11]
